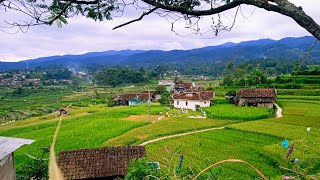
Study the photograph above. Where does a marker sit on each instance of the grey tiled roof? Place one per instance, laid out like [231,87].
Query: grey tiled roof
[9,145]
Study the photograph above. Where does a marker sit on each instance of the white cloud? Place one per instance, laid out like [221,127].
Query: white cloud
[83,35]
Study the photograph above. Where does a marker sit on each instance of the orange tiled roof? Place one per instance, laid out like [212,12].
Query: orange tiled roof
[197,95]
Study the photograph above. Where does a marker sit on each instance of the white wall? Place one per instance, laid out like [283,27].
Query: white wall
[7,169]
[191,104]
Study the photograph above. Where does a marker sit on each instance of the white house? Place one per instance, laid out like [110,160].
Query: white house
[189,100]
[7,147]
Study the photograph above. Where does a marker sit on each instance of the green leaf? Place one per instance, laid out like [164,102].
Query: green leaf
[63,20]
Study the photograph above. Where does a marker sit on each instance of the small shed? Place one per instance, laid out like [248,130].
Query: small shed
[99,163]
[259,97]
[132,99]
[135,101]
[7,147]
[64,111]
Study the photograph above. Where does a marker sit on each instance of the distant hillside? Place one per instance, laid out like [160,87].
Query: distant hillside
[287,49]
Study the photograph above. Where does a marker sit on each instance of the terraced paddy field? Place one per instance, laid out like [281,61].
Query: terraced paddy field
[255,140]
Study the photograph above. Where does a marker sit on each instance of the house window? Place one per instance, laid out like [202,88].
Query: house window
[177,102]
[186,103]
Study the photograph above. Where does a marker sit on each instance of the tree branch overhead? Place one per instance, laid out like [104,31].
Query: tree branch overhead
[37,11]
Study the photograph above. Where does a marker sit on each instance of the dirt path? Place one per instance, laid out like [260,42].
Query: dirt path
[279,111]
[177,135]
[54,171]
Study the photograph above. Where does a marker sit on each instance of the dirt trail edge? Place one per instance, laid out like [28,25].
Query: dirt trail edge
[279,111]
[54,171]
[177,135]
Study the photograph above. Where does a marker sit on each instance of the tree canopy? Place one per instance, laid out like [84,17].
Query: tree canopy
[38,12]
[120,76]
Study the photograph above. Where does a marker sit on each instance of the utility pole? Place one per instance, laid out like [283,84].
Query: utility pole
[149,102]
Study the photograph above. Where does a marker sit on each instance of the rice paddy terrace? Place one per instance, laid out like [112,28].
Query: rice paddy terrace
[249,134]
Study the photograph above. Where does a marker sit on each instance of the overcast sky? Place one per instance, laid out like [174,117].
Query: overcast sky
[83,35]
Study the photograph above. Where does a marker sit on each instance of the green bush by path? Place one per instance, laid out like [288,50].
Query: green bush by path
[203,149]
[231,111]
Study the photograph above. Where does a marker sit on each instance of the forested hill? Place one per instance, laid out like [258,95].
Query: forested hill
[286,49]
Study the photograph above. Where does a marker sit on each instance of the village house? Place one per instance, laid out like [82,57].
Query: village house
[168,84]
[11,82]
[64,111]
[259,97]
[181,86]
[7,147]
[190,100]
[100,163]
[132,99]
[156,96]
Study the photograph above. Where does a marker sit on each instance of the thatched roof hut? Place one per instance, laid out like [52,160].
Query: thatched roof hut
[100,163]
[260,97]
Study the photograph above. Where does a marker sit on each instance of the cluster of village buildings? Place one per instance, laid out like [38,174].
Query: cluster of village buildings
[189,95]
[19,80]
[185,95]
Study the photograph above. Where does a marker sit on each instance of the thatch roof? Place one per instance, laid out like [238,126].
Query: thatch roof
[98,163]
[257,93]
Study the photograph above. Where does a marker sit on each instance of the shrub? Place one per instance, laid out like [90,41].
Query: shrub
[139,169]
[38,168]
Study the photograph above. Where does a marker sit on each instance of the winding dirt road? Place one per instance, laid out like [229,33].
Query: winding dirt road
[177,135]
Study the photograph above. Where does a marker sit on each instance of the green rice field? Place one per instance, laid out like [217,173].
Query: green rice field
[250,134]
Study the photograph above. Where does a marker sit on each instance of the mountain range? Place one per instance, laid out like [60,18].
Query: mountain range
[286,48]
